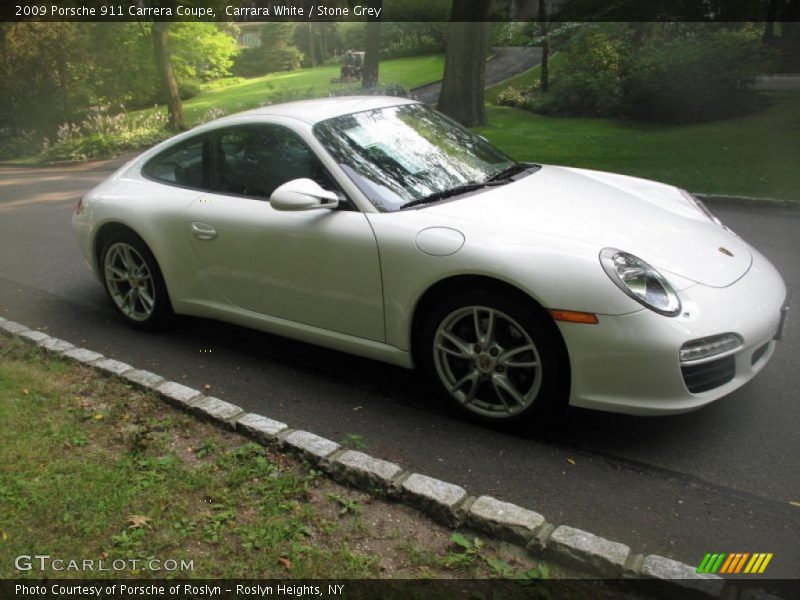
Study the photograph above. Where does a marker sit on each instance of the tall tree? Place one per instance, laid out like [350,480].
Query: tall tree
[544,74]
[160,34]
[372,49]
[462,95]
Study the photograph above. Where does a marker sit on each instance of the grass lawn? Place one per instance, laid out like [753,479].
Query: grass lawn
[308,83]
[756,155]
[96,470]
[93,469]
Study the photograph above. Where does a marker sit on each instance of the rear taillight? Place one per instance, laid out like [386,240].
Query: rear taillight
[79,208]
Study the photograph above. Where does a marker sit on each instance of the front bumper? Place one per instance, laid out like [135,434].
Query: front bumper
[630,363]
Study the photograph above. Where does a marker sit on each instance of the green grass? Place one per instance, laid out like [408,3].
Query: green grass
[95,470]
[314,82]
[756,155]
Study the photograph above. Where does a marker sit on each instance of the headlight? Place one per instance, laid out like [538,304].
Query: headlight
[701,207]
[640,281]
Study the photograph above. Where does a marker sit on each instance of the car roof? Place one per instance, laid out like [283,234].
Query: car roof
[320,109]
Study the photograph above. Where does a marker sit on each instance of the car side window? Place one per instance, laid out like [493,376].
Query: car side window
[184,164]
[254,160]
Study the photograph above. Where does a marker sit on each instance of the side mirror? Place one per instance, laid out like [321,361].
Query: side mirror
[302,194]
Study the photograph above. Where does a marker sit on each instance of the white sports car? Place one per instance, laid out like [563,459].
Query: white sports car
[377,226]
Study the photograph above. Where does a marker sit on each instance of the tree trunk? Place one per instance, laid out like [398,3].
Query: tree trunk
[373,49]
[544,75]
[160,33]
[312,53]
[462,95]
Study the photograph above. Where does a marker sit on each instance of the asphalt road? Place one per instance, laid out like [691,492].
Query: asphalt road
[717,480]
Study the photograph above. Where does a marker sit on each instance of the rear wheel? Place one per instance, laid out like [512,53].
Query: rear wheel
[497,359]
[133,281]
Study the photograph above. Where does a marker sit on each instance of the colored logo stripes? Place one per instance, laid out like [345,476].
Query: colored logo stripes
[735,562]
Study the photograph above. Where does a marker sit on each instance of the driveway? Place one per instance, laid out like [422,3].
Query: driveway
[503,64]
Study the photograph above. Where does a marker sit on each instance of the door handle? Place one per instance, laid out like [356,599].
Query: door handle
[203,231]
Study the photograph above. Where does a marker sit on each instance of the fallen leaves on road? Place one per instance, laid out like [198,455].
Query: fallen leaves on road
[571,461]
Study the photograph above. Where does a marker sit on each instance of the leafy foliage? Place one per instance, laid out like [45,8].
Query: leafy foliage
[59,73]
[276,53]
[103,134]
[692,78]
[663,72]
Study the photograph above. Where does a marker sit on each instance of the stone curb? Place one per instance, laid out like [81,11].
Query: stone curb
[445,502]
[746,200]
[506,521]
[365,472]
[587,551]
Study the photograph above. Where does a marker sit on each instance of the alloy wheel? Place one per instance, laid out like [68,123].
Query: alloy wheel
[129,281]
[487,361]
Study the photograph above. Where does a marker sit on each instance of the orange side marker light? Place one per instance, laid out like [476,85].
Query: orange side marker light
[572,316]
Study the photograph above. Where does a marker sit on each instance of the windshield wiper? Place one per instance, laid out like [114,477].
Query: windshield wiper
[459,189]
[508,172]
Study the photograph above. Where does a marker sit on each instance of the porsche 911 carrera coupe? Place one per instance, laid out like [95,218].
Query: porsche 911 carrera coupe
[377,226]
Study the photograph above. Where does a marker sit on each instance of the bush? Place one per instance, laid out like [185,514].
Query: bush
[673,72]
[694,79]
[587,82]
[524,98]
[19,142]
[188,89]
[103,135]
[581,95]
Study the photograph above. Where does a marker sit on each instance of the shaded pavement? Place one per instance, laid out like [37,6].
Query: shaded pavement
[503,64]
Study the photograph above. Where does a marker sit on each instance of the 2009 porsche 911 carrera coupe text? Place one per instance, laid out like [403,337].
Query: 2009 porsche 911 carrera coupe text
[377,226]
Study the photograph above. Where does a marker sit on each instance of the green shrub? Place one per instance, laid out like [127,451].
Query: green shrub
[220,84]
[102,135]
[587,82]
[15,143]
[581,95]
[694,78]
[518,98]
[188,89]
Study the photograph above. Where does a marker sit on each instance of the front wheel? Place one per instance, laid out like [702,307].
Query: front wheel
[134,283]
[497,359]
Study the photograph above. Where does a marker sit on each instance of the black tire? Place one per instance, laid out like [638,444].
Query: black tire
[148,307]
[494,364]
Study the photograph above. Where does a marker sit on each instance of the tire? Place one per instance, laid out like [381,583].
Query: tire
[133,281]
[509,369]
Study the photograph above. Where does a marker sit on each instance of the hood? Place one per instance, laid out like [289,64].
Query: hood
[648,219]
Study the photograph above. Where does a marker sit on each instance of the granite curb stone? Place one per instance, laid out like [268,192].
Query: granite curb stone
[34,336]
[83,355]
[55,345]
[112,367]
[12,327]
[504,520]
[310,445]
[215,409]
[364,471]
[144,379]
[260,428]
[583,549]
[434,496]
[684,578]
[178,394]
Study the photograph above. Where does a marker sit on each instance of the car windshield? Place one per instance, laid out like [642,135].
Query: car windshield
[404,154]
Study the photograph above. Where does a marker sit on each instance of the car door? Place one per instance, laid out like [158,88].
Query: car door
[316,267]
